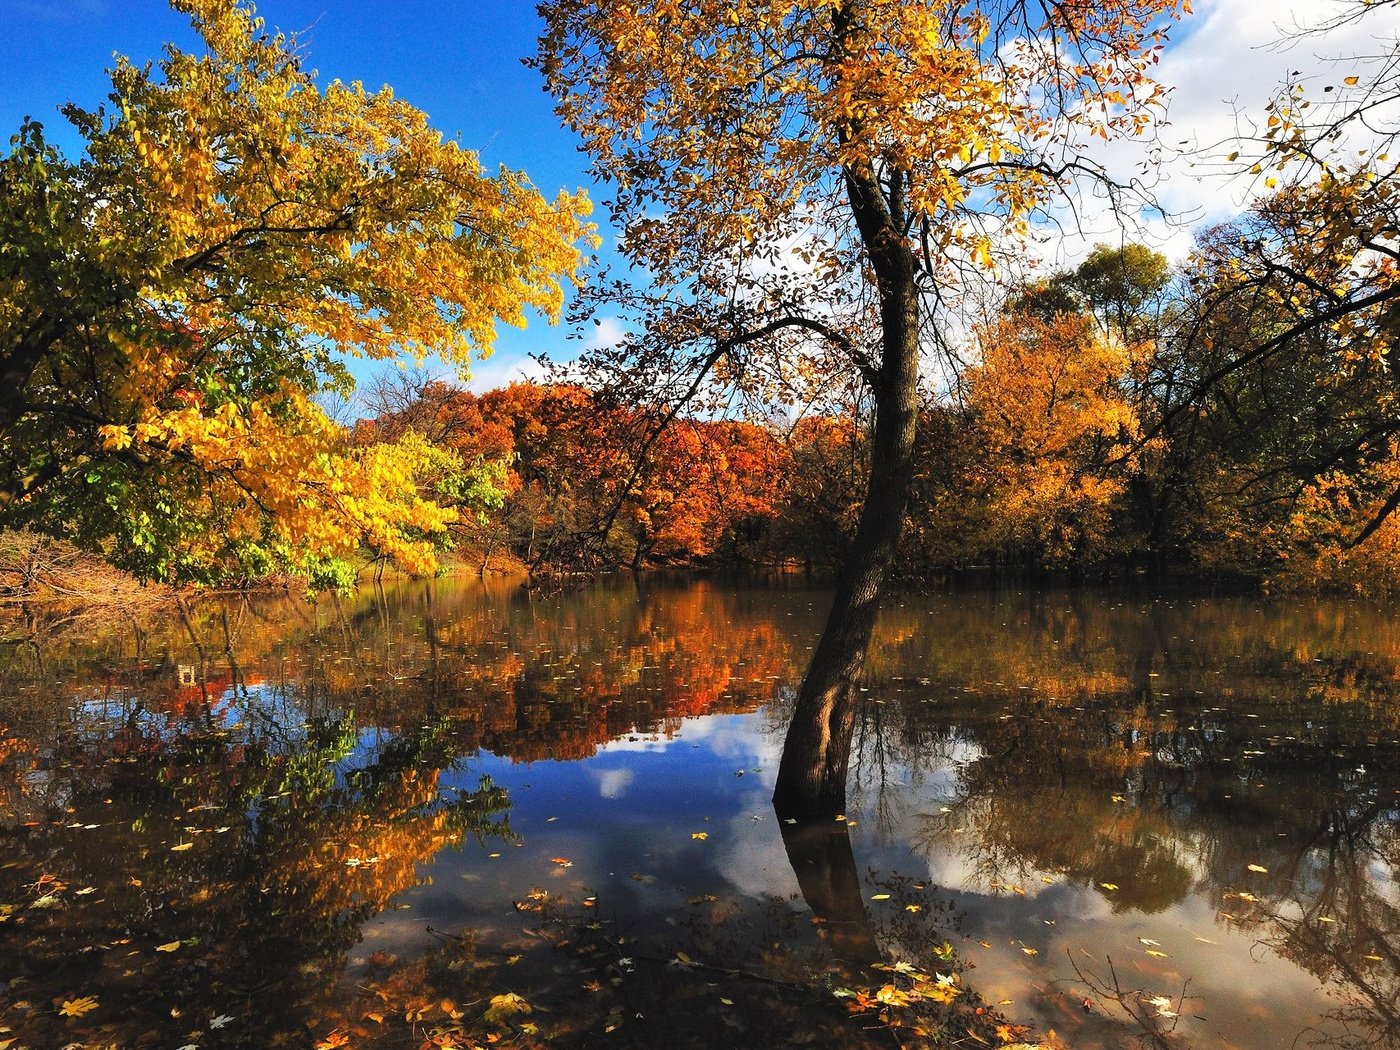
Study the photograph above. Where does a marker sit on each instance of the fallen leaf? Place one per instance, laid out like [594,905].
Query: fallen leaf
[78,1007]
[1109,885]
[170,947]
[1156,954]
[880,896]
[181,847]
[220,1021]
[701,835]
[563,862]
[1259,868]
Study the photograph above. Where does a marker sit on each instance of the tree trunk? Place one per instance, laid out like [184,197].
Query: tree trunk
[816,752]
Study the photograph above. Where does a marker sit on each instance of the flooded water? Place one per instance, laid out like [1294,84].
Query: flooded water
[457,815]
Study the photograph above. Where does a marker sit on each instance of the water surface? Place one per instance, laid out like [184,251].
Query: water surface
[452,812]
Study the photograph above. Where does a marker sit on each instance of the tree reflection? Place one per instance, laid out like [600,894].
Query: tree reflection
[177,872]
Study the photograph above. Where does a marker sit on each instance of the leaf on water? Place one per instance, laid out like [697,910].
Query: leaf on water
[493,856]
[181,847]
[170,947]
[1156,954]
[563,862]
[1109,885]
[913,907]
[505,1005]
[1030,951]
[701,835]
[78,1007]
[1150,942]
[879,896]
[1259,868]
[220,1021]
[726,1002]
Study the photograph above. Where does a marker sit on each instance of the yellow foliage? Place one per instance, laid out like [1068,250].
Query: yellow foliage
[1051,416]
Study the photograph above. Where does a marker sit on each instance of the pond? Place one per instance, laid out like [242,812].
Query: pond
[462,814]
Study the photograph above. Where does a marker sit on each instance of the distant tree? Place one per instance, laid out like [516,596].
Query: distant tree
[172,303]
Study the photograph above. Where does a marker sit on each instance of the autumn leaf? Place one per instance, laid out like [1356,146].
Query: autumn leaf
[78,1007]
[505,1006]
[170,947]
[702,835]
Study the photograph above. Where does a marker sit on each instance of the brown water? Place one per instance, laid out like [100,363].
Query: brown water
[456,815]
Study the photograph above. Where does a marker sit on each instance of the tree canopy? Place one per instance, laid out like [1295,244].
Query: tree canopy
[173,302]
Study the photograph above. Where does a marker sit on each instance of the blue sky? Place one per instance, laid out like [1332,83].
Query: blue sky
[460,61]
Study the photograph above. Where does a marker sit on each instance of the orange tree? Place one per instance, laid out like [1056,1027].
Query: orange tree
[172,303]
[801,181]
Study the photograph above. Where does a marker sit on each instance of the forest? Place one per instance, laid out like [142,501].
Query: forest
[182,306]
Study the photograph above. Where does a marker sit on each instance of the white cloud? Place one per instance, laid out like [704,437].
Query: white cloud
[502,369]
[1223,66]
[612,783]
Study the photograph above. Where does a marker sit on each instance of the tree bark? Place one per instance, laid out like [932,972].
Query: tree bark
[816,751]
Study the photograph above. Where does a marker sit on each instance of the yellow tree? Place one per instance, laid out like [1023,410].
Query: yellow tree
[172,304]
[802,181]
[1050,411]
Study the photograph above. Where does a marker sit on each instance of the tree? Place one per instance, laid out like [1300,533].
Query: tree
[172,303]
[1050,413]
[795,174]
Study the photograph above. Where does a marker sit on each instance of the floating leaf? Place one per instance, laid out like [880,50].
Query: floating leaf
[78,1007]
[880,897]
[701,835]
[1156,954]
[1109,885]
[182,847]
[170,947]
[1259,868]
[563,862]
[506,1005]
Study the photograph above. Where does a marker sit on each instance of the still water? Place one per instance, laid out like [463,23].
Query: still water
[457,815]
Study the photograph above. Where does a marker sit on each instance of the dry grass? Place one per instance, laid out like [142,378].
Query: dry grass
[38,568]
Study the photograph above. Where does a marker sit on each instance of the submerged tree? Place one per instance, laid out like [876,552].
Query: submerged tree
[803,181]
[172,304]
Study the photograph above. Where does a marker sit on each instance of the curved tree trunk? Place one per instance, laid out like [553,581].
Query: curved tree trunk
[816,752]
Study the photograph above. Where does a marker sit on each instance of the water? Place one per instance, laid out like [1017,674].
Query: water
[458,815]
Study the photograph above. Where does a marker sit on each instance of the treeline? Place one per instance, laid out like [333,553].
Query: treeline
[1123,415]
